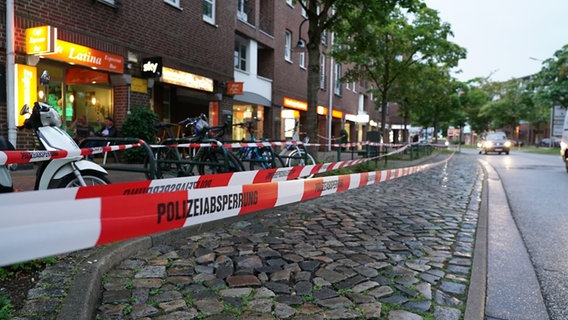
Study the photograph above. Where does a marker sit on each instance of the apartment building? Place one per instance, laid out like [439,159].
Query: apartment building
[233,60]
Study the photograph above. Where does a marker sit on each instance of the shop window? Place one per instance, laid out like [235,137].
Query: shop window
[246,112]
[209,11]
[95,103]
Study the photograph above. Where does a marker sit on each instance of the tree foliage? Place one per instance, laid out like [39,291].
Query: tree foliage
[323,15]
[550,84]
[388,50]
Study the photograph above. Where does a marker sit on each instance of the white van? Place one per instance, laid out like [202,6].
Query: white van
[564,142]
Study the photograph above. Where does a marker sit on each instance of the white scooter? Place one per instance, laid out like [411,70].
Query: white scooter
[59,173]
[5,177]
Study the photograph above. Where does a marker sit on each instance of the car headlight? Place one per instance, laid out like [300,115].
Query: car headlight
[507,144]
[488,144]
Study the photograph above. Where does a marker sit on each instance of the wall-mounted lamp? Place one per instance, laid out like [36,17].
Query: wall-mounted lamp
[301,45]
[71,98]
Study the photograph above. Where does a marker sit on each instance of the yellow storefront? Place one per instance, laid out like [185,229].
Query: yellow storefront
[80,82]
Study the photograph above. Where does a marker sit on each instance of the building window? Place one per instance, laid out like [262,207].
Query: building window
[174,3]
[290,3]
[240,55]
[322,71]
[288,46]
[209,11]
[302,60]
[324,38]
[242,7]
[111,2]
[337,78]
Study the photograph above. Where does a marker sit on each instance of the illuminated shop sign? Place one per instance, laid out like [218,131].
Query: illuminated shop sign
[234,88]
[358,118]
[39,44]
[40,39]
[295,104]
[186,79]
[26,89]
[152,67]
[321,110]
[85,56]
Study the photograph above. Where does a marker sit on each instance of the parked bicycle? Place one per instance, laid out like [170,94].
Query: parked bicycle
[295,153]
[172,162]
[257,157]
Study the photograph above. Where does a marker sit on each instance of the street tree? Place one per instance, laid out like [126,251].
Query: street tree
[433,100]
[550,84]
[508,106]
[322,15]
[382,51]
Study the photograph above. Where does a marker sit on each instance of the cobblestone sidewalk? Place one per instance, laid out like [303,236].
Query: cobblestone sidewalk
[401,249]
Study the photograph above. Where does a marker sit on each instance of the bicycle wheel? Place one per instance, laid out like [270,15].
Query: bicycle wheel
[217,160]
[168,163]
[266,158]
[299,157]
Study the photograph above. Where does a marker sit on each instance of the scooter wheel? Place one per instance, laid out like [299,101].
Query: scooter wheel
[91,178]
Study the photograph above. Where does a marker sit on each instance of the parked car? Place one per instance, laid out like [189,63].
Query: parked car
[553,142]
[495,142]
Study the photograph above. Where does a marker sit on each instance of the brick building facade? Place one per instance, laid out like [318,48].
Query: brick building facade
[202,45]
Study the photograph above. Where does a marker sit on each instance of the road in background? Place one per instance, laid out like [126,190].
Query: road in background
[536,187]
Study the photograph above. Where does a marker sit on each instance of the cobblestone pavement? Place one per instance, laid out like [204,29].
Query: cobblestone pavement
[400,249]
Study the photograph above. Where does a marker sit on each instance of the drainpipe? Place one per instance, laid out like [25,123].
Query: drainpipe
[10,69]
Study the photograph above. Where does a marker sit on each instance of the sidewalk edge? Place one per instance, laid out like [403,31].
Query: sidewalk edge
[475,305]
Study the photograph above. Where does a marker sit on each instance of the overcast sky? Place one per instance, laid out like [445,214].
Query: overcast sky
[501,36]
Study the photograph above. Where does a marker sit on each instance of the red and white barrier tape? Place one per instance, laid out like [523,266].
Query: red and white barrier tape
[45,227]
[188,183]
[271,144]
[29,156]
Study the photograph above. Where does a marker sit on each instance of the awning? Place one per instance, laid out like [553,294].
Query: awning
[252,98]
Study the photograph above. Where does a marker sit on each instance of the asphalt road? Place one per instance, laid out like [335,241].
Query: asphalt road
[536,187]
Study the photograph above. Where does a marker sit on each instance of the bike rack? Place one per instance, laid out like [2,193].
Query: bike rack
[150,172]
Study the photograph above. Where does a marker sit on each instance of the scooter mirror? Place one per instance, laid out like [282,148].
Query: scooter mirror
[44,78]
[25,109]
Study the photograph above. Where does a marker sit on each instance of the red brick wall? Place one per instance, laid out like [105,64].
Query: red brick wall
[289,79]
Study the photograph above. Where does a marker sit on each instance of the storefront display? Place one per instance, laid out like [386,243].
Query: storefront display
[247,112]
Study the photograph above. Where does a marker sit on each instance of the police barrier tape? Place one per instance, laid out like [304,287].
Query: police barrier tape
[270,144]
[187,183]
[29,156]
[45,227]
